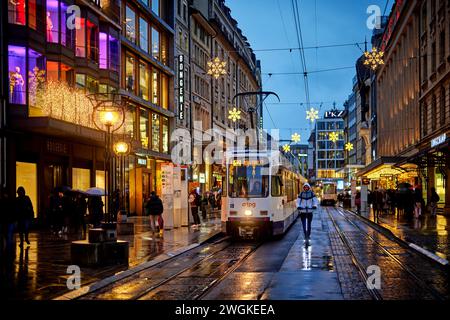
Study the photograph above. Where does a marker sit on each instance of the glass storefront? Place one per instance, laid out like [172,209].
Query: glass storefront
[81,179]
[26,176]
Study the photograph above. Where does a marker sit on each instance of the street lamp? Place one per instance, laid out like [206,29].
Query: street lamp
[108,116]
[122,149]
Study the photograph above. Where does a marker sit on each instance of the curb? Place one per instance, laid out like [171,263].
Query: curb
[443,262]
[125,274]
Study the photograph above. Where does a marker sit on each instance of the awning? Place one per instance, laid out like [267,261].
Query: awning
[386,167]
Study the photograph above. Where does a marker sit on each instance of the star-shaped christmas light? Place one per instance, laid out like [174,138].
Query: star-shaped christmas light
[234,115]
[349,146]
[296,138]
[333,136]
[312,115]
[374,58]
[217,68]
[287,148]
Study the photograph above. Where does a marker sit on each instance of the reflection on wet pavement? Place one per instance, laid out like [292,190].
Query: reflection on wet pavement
[40,270]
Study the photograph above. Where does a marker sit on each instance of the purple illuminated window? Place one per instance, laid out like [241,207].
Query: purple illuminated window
[17,74]
[103,50]
[113,53]
[52,21]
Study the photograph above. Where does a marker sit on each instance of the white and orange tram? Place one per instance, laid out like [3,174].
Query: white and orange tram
[259,200]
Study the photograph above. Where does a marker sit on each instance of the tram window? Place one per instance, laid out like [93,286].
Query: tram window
[248,182]
[277,186]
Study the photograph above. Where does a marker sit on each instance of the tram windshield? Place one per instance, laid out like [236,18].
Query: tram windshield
[248,181]
[329,189]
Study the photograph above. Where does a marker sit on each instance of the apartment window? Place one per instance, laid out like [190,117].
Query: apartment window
[425,68]
[130,73]
[155,44]
[433,113]
[144,128]
[130,121]
[92,43]
[143,34]
[424,17]
[52,21]
[143,81]
[156,131]
[130,24]
[66,32]
[80,38]
[164,50]
[155,86]
[155,7]
[442,47]
[442,107]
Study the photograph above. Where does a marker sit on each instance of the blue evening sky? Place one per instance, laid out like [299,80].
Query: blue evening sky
[270,24]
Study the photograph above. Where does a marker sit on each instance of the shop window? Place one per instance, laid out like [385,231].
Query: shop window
[66,74]
[164,49]
[143,34]
[17,74]
[113,53]
[144,128]
[81,179]
[92,41]
[52,71]
[155,44]
[80,38]
[100,182]
[130,73]
[66,32]
[103,60]
[51,21]
[143,81]
[16,12]
[440,186]
[165,135]
[156,131]
[155,87]
[26,177]
[164,91]
[130,24]
[102,88]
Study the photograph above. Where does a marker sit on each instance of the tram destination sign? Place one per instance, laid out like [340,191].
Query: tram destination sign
[438,140]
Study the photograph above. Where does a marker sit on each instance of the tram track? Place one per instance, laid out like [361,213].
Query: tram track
[219,259]
[376,294]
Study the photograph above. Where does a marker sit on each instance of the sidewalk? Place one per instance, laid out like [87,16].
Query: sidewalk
[429,233]
[40,271]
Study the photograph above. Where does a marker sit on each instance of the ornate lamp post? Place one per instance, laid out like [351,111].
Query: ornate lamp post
[108,116]
[122,149]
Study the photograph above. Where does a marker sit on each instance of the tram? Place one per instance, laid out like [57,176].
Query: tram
[261,198]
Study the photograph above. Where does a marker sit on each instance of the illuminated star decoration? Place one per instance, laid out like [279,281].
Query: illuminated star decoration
[217,68]
[374,59]
[234,115]
[296,138]
[334,137]
[312,115]
[349,146]
[287,148]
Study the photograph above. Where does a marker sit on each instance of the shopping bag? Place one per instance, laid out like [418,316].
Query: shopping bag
[161,222]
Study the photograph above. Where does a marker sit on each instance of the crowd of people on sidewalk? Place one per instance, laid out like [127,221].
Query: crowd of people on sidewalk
[203,203]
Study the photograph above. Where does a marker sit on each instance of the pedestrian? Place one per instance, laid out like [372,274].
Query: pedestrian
[115,204]
[68,211]
[56,211]
[95,206]
[25,213]
[154,209]
[418,200]
[306,202]
[194,204]
[358,202]
[434,200]
[81,209]
[8,221]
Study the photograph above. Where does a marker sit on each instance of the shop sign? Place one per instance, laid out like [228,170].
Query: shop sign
[57,147]
[202,178]
[142,162]
[181,87]
[439,140]
[334,114]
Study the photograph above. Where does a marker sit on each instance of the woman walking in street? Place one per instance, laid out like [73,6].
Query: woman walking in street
[25,213]
[306,202]
[194,203]
[418,201]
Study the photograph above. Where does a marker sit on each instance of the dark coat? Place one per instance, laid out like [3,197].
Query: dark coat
[434,197]
[154,206]
[7,212]
[24,208]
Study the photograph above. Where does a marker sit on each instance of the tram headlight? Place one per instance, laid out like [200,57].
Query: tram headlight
[248,213]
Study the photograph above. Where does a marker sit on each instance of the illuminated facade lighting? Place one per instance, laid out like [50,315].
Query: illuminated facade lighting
[234,115]
[296,138]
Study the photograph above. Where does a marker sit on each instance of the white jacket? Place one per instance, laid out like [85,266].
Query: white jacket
[307,200]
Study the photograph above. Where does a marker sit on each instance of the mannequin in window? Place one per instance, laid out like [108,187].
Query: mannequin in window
[17,83]
[49,28]
[19,6]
